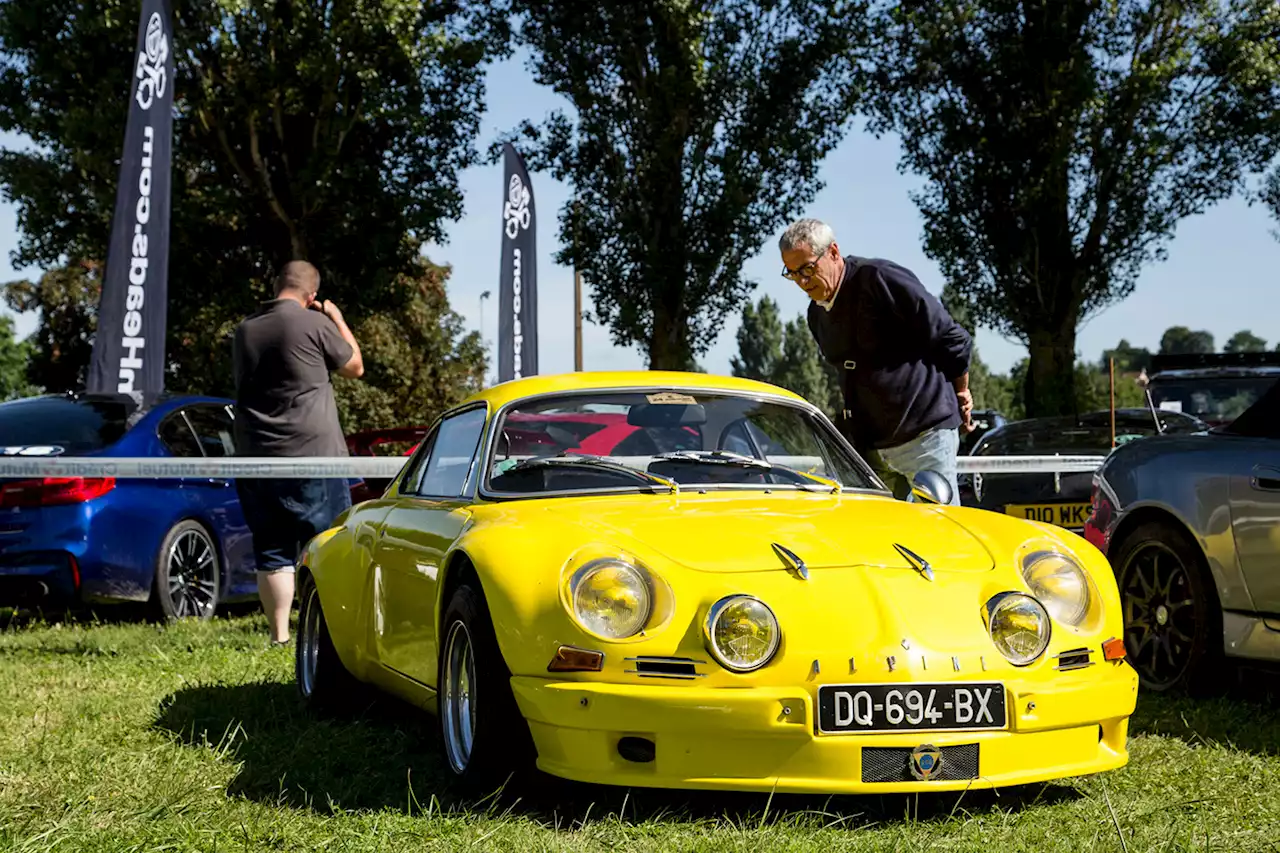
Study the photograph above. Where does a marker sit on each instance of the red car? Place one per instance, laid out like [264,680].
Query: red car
[590,433]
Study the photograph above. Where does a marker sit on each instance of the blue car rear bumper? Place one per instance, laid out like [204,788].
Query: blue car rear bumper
[39,579]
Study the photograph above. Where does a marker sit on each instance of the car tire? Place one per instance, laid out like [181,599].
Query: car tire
[1172,616]
[323,680]
[188,574]
[483,736]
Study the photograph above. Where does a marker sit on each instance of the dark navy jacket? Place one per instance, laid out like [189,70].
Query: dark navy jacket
[897,351]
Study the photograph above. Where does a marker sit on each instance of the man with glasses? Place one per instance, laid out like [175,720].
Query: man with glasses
[903,361]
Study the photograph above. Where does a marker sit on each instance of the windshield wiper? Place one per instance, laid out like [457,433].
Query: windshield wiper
[738,460]
[566,459]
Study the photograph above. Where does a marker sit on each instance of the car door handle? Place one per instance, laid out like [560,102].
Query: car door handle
[1265,478]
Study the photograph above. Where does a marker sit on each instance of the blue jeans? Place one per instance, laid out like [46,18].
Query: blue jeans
[284,514]
[934,450]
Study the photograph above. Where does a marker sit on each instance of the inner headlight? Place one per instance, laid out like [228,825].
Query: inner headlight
[611,598]
[742,633]
[1060,584]
[1019,627]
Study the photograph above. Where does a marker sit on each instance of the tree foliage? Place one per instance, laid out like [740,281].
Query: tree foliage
[1062,142]
[14,357]
[786,355]
[66,300]
[329,132]
[420,360]
[1245,341]
[697,131]
[1181,340]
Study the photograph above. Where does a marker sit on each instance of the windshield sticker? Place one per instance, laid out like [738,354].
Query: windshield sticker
[670,398]
[1171,405]
[32,450]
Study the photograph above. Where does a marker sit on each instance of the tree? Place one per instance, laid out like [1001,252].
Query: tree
[1062,142]
[785,355]
[420,359]
[990,391]
[1129,359]
[1180,340]
[66,299]
[301,131]
[698,129]
[1271,197]
[1245,341]
[14,356]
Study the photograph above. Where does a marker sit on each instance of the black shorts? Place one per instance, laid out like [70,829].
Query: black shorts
[284,514]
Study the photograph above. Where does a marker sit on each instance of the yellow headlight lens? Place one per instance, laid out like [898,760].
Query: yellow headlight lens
[1060,585]
[611,599]
[1019,627]
[742,633]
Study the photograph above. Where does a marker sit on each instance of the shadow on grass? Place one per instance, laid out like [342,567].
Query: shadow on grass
[1241,717]
[384,756]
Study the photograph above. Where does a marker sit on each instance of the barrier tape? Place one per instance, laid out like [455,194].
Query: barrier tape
[386,467]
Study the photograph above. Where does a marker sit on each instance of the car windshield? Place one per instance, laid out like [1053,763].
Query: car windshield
[1215,399]
[644,439]
[65,425]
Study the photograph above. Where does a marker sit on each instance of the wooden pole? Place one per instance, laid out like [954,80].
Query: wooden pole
[1113,402]
[577,297]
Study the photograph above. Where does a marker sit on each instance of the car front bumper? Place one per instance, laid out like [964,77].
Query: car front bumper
[764,739]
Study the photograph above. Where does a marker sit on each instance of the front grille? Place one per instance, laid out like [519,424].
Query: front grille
[665,667]
[893,764]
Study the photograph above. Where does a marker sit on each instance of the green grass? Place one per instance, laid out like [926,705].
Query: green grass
[144,737]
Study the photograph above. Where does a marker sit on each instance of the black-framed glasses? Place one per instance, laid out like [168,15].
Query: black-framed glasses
[804,272]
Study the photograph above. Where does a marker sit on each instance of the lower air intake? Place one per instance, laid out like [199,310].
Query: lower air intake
[893,764]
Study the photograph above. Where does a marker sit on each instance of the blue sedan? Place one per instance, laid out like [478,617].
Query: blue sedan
[181,545]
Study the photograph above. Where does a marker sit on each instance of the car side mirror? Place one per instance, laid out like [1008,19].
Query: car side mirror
[931,487]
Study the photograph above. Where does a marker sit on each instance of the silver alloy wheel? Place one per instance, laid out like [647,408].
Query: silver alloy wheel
[458,706]
[192,575]
[309,642]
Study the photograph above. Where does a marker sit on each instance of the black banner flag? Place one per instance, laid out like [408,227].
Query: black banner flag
[518,279]
[128,351]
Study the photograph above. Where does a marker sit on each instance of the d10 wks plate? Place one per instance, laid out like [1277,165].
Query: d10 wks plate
[947,706]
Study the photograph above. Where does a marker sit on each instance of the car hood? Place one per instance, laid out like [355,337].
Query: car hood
[719,533]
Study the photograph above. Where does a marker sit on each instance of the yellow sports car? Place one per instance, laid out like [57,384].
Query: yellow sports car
[692,581]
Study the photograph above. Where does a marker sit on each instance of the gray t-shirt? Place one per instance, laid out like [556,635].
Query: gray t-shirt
[283,354]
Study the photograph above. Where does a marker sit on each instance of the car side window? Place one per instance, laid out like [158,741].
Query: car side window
[178,437]
[214,428]
[451,456]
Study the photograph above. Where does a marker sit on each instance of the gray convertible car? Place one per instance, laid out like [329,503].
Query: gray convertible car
[1191,525]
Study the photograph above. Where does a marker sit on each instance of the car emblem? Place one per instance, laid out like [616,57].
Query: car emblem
[795,565]
[926,762]
[920,564]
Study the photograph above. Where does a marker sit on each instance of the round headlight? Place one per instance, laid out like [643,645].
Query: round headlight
[1019,627]
[742,633]
[611,599]
[1059,583]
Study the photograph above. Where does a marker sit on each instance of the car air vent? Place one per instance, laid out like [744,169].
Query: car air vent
[1074,659]
[664,667]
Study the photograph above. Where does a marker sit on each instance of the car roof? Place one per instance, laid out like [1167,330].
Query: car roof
[1216,364]
[532,386]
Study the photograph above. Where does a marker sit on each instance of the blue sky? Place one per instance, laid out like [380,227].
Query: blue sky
[1221,269]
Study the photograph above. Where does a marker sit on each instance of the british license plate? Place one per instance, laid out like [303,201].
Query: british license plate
[1063,515]
[910,707]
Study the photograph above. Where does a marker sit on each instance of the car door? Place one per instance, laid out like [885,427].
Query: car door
[215,497]
[1255,516]
[428,517]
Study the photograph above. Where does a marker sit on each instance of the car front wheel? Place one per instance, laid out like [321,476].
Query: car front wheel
[483,736]
[1172,619]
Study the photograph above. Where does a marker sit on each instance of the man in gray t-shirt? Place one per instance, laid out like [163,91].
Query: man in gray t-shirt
[283,355]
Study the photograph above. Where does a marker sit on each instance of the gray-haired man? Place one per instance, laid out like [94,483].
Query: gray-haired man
[903,361]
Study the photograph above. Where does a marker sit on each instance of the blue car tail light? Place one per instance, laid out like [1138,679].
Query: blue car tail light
[53,491]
